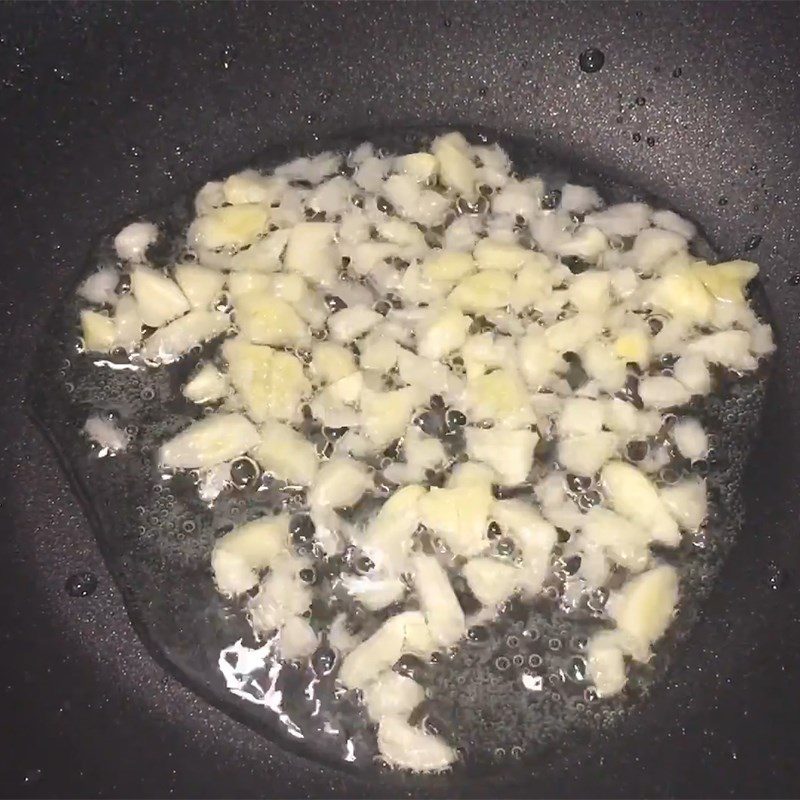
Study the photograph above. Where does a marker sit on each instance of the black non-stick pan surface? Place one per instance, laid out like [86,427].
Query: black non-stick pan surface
[106,110]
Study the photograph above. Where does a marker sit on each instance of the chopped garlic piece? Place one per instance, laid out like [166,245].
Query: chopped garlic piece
[459,515]
[728,348]
[606,663]
[438,601]
[420,166]
[500,396]
[310,251]
[349,324]
[687,502]
[286,454]
[339,483]
[728,280]
[379,352]
[132,241]
[250,186]
[239,555]
[99,331]
[270,382]
[181,335]
[580,415]
[448,267]
[207,385]
[690,439]
[643,608]
[385,415]
[579,199]
[447,332]
[624,219]
[683,295]
[456,167]
[414,202]
[661,391]
[585,455]
[411,748]
[491,580]
[388,537]
[485,291]
[374,592]
[509,453]
[624,542]
[158,297]
[105,433]
[496,255]
[282,597]
[127,324]
[209,441]
[297,639]
[201,286]
[634,496]
[100,287]
[534,536]
[263,255]
[266,319]
[392,695]
[402,633]
[229,226]
[692,371]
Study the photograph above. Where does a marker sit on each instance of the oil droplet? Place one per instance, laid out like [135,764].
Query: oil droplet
[577,669]
[477,633]
[228,56]
[778,577]
[591,60]
[81,584]
[32,776]
[323,660]
[244,472]
[753,242]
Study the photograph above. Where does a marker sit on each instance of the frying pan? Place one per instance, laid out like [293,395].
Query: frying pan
[112,109]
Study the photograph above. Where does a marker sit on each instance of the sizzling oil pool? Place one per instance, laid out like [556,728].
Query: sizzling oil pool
[511,662]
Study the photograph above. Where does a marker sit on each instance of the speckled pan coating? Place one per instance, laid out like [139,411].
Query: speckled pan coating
[109,109]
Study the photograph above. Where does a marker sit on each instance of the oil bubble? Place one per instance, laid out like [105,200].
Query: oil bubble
[591,60]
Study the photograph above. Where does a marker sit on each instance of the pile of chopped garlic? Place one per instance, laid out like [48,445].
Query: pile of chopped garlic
[408,304]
